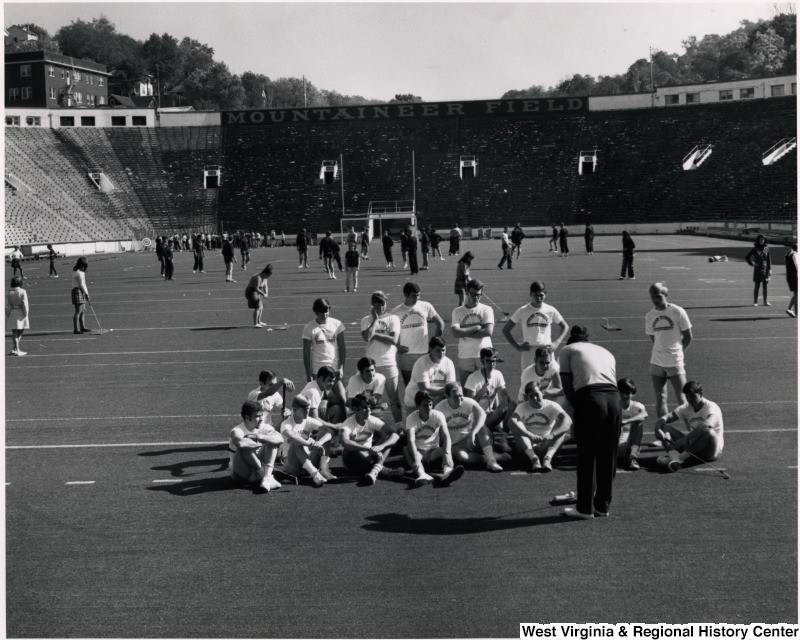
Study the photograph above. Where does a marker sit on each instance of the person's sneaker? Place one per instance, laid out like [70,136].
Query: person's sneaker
[13,352]
[270,483]
[333,276]
[534,464]
[622,277]
[633,464]
[372,477]
[600,514]
[671,465]
[194,270]
[326,473]
[755,304]
[633,278]
[22,353]
[355,290]
[547,465]
[791,313]
[571,512]
[300,266]
[449,476]
[318,479]
[201,271]
[767,304]
[491,465]
[422,479]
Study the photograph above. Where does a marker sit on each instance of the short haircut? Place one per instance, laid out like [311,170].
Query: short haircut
[488,352]
[474,285]
[16,282]
[450,386]
[265,375]
[365,363]
[658,288]
[436,341]
[326,372]
[531,386]
[359,401]
[321,305]
[300,401]
[537,286]
[692,386]
[251,409]
[409,288]
[542,351]
[578,334]
[421,396]
[626,385]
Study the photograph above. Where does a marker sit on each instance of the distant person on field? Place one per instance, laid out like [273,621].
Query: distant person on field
[160,254]
[169,264]
[436,239]
[505,247]
[791,279]
[563,245]
[633,417]
[16,263]
[404,247]
[455,241]
[302,242]
[588,238]
[462,276]
[17,314]
[670,330]
[52,255]
[365,244]
[628,250]
[759,259]
[229,257]
[199,255]
[351,263]
[388,243]
[80,295]
[517,236]
[413,265]
[256,292]
[424,241]
[704,438]
[327,247]
[554,239]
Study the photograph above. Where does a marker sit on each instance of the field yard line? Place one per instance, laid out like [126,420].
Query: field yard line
[80,482]
[225,442]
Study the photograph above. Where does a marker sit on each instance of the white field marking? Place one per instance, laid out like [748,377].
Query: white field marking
[676,268]
[80,482]
[172,481]
[794,467]
[519,473]
[72,419]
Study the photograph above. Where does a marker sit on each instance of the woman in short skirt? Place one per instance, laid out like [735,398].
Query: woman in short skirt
[80,295]
[17,314]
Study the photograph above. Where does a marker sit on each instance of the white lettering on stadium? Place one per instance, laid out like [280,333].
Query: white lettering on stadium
[417,110]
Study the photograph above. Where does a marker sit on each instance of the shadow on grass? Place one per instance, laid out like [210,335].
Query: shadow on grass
[203,485]
[748,319]
[401,523]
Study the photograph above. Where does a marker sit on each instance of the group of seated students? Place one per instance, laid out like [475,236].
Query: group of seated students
[446,427]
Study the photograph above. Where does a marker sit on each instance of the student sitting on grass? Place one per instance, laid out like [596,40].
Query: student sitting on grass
[539,427]
[369,383]
[253,447]
[359,431]
[428,443]
[704,439]
[307,438]
[633,415]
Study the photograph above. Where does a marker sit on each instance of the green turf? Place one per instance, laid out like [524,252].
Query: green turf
[204,558]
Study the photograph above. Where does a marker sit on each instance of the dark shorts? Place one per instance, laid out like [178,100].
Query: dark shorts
[253,299]
[15,263]
[77,296]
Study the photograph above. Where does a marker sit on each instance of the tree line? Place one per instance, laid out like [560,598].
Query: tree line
[187,67]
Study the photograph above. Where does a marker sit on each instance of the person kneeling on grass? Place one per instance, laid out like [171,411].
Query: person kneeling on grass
[428,443]
[253,447]
[539,427]
[466,421]
[633,415]
[704,440]
[358,436]
[307,438]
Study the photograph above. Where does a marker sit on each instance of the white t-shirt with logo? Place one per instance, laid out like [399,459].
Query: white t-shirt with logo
[477,381]
[356,385]
[313,394]
[302,429]
[464,317]
[324,347]
[361,433]
[709,413]
[667,326]
[529,374]
[537,323]
[382,353]
[414,325]
[427,434]
[275,401]
[637,411]
[460,420]
[435,375]
[539,422]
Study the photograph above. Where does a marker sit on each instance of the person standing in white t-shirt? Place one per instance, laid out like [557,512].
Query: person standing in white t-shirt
[381,331]
[414,315]
[472,324]
[670,330]
[704,438]
[537,320]
[324,346]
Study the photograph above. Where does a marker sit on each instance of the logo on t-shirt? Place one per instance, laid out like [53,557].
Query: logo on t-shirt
[538,319]
[663,323]
[321,336]
[414,319]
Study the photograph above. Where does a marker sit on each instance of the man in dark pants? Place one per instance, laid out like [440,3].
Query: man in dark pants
[412,251]
[588,238]
[302,242]
[588,375]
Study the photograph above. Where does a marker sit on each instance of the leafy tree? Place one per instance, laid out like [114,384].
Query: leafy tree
[534,91]
[577,85]
[164,59]
[255,89]
[196,56]
[214,87]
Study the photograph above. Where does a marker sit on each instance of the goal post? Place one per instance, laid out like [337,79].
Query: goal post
[380,214]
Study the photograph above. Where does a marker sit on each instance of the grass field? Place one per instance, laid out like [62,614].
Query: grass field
[122,522]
